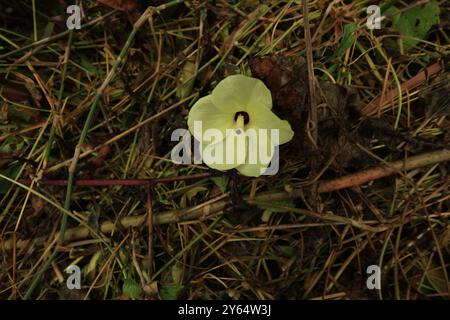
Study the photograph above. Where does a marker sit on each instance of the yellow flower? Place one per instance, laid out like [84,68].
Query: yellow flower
[236,127]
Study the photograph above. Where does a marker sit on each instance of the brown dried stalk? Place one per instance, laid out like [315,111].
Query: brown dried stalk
[216,206]
[374,106]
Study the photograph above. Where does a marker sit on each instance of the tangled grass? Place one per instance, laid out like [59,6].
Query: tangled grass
[86,176]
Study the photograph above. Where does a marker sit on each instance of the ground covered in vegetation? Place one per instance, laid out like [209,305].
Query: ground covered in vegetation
[86,176]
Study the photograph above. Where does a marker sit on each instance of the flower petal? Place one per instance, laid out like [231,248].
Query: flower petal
[209,117]
[252,170]
[225,154]
[262,118]
[237,92]
[259,153]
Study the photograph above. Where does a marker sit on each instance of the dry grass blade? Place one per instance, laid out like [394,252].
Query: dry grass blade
[88,119]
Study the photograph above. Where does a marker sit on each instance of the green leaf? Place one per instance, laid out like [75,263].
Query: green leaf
[287,251]
[169,291]
[348,38]
[187,80]
[10,172]
[414,23]
[177,272]
[131,289]
[191,193]
[48,30]
[87,65]
[92,265]
[221,182]
[273,206]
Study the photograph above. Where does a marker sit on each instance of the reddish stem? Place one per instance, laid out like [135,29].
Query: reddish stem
[117,182]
